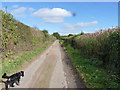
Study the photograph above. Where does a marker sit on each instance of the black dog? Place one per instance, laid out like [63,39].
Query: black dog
[15,78]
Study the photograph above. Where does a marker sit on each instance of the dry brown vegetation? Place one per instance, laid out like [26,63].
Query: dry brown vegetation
[20,43]
[17,37]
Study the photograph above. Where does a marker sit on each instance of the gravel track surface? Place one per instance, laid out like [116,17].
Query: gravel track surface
[52,69]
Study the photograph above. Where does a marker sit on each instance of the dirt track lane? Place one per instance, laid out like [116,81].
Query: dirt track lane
[51,70]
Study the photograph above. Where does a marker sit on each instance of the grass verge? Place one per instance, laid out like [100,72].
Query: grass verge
[10,66]
[91,71]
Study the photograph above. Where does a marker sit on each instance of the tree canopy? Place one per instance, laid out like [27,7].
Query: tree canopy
[57,35]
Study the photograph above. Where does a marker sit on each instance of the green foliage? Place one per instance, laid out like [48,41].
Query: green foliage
[35,40]
[91,71]
[112,52]
[45,31]
[57,35]
[70,35]
[82,33]
[105,46]
[102,68]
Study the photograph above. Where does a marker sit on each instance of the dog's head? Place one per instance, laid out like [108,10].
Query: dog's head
[22,73]
[4,75]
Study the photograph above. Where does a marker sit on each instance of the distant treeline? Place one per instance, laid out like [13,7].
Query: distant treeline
[103,45]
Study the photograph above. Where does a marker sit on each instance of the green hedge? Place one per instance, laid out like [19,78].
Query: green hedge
[104,45]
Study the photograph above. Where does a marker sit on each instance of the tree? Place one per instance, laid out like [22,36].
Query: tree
[70,35]
[57,35]
[45,31]
[82,33]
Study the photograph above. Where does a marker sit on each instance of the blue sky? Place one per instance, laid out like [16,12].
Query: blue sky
[66,17]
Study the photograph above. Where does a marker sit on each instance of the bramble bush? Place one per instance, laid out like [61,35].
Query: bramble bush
[97,57]
[103,45]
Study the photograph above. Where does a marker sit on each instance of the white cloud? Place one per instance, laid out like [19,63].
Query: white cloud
[76,28]
[20,12]
[15,6]
[86,24]
[55,15]
[31,9]
[78,25]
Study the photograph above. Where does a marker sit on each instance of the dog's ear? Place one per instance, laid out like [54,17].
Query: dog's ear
[4,75]
[22,73]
